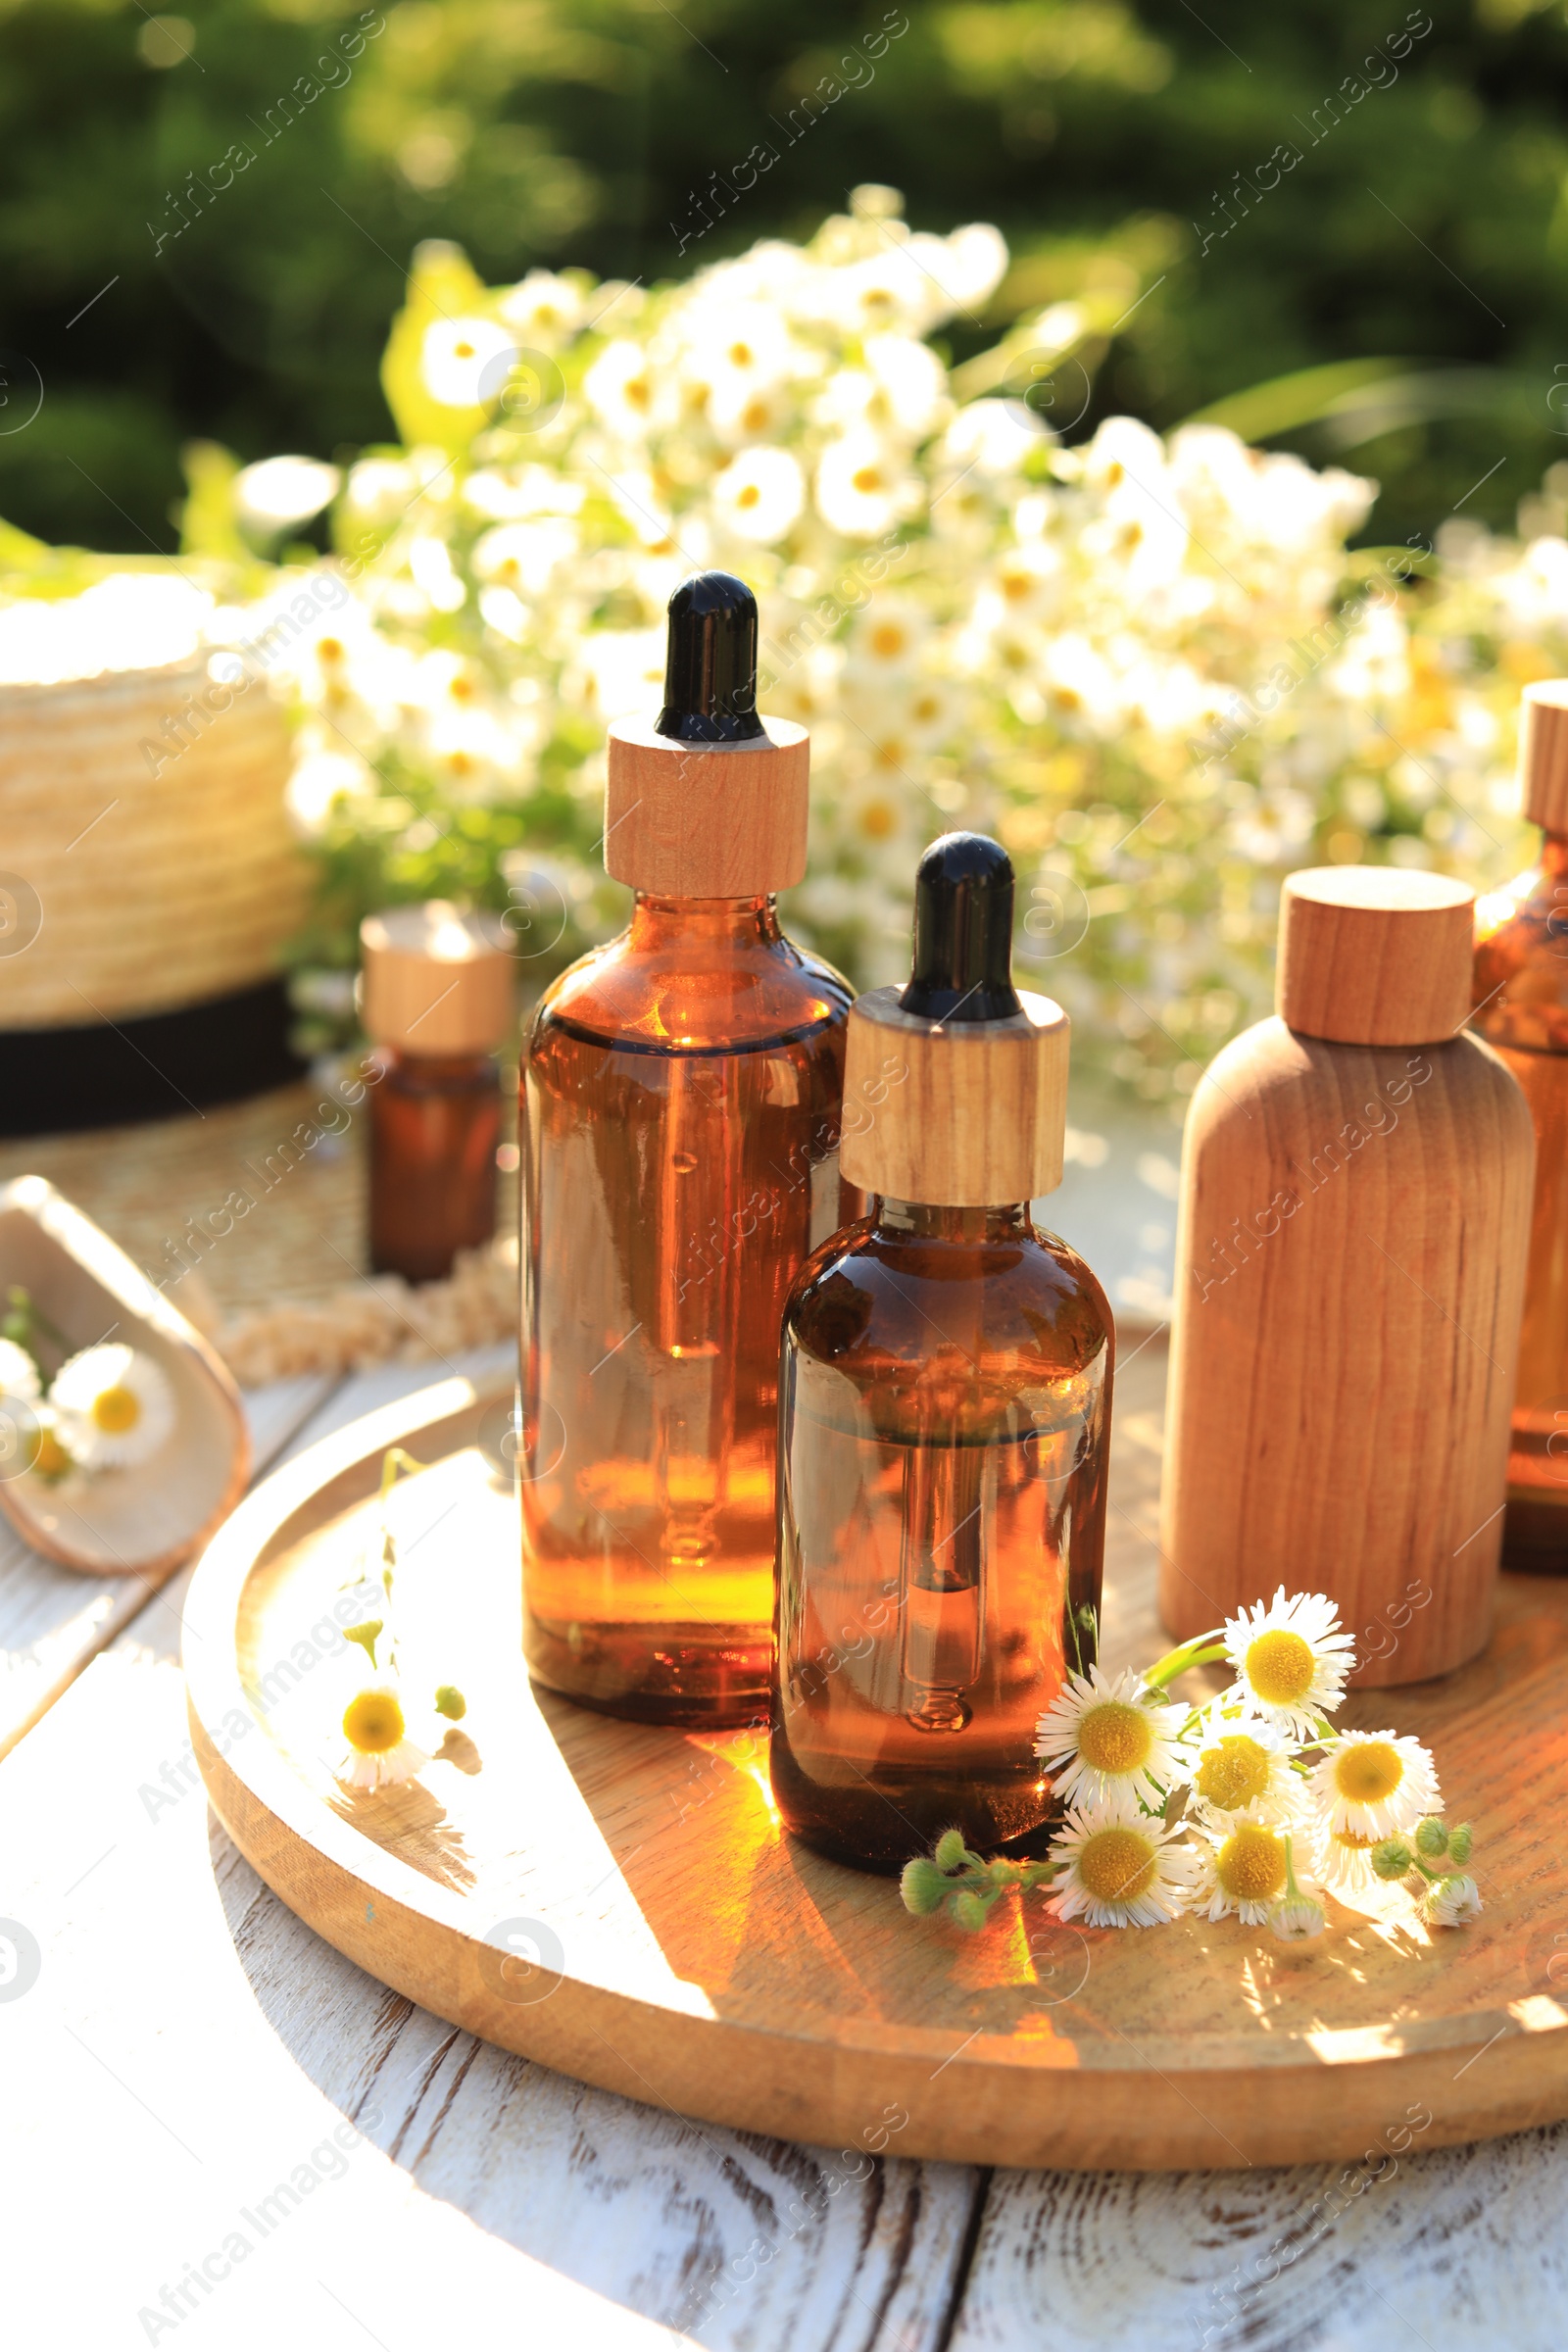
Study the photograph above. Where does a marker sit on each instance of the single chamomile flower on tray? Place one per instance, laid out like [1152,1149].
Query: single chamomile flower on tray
[1242,1868]
[1453,1902]
[1099,1739]
[377,1753]
[114,1406]
[1241,1765]
[1291,1659]
[1375,1784]
[1122,1869]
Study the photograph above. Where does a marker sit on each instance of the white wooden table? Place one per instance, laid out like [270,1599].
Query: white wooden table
[216,2131]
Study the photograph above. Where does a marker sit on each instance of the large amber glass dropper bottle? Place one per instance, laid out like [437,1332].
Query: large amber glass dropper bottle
[1521,998]
[681,1125]
[945,1414]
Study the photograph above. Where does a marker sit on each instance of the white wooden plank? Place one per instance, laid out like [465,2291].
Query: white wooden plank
[1451,2250]
[54,1620]
[217,2045]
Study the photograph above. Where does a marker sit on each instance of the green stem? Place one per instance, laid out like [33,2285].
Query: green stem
[1206,1650]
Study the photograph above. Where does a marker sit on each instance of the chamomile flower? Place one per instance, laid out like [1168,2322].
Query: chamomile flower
[379,1754]
[50,1458]
[1374,1782]
[1291,1659]
[1099,1740]
[1453,1902]
[1298,1919]
[861,491]
[19,1374]
[460,359]
[760,495]
[1240,1764]
[1342,1860]
[1241,1868]
[114,1406]
[1123,1869]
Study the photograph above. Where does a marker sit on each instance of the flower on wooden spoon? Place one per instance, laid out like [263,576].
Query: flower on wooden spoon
[114,1406]
[379,1752]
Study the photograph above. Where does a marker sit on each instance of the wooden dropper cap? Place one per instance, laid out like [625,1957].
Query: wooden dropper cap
[435,982]
[956,1086]
[1544,753]
[705,803]
[1374,955]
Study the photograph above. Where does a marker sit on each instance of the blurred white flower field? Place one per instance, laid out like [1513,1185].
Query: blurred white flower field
[1152,667]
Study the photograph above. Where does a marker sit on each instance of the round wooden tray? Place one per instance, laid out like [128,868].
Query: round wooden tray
[618,1903]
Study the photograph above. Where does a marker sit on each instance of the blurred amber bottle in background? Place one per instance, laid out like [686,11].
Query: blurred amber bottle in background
[437,999]
[682,1091]
[1521,1007]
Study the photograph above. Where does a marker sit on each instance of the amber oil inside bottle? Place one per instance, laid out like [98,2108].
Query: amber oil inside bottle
[681,1107]
[435,1125]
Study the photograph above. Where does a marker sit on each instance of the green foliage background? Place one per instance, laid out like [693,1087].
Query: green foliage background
[1430,225]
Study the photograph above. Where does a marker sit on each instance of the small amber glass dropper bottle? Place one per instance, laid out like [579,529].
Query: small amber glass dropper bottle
[436,997]
[1521,1000]
[945,1414]
[683,1088]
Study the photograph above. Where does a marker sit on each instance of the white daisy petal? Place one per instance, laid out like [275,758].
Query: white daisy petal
[1291,1659]
[1124,1869]
[1100,1737]
[114,1406]
[19,1374]
[1374,1784]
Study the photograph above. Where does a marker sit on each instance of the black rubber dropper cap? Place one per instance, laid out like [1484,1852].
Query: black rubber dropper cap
[711,664]
[963,932]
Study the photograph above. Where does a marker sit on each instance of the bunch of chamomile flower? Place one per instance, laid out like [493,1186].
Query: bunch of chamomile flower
[1252,1805]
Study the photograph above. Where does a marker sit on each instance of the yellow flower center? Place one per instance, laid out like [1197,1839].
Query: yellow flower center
[740,354]
[1280,1667]
[373,1723]
[887,639]
[755,416]
[1251,1864]
[463,349]
[1114,1735]
[1370,1772]
[865,479]
[50,1459]
[878,823]
[751,496]
[116,1410]
[1016,586]
[637,391]
[1231,1774]
[1116,1865]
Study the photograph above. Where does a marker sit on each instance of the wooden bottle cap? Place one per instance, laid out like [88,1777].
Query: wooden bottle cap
[1544,753]
[436,982]
[956,1086]
[706,820]
[1374,955]
[706,802]
[956,1114]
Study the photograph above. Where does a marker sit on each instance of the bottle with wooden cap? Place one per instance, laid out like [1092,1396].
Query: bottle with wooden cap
[944,1414]
[437,996]
[1521,1001]
[684,1090]
[1349,1269]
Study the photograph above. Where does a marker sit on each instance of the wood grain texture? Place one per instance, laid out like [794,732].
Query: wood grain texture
[1349,1275]
[1544,753]
[1374,955]
[434,981]
[962,1114]
[774,1991]
[720,820]
[148,1517]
